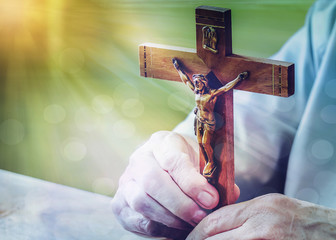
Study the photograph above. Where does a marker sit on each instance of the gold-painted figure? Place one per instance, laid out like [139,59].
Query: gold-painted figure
[209,39]
[205,123]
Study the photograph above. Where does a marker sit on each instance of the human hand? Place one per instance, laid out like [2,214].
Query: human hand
[272,216]
[162,192]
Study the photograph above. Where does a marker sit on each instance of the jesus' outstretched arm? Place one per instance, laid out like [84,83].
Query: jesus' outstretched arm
[183,75]
[231,84]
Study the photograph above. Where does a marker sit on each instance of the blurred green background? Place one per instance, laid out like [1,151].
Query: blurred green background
[73,107]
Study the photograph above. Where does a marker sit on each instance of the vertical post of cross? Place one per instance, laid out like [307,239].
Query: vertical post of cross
[214,42]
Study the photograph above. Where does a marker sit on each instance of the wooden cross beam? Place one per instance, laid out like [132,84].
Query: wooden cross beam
[215,59]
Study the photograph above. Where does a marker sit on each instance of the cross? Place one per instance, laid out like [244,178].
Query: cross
[214,59]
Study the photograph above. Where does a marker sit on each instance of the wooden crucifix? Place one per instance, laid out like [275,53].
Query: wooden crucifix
[214,62]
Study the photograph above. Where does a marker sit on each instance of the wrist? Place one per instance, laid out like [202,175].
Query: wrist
[318,221]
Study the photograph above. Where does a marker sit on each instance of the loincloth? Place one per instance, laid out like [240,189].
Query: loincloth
[202,124]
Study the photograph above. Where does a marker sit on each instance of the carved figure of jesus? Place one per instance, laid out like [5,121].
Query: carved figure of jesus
[205,122]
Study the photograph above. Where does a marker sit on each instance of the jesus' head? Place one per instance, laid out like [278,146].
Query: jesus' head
[201,84]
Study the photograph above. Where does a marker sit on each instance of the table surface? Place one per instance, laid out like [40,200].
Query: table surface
[32,209]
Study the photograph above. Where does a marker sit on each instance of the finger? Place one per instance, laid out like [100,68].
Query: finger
[161,187]
[224,219]
[142,203]
[137,223]
[178,159]
[236,192]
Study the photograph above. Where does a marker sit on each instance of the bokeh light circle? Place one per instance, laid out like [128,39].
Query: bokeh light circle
[133,108]
[54,114]
[125,91]
[328,114]
[74,150]
[102,104]
[330,88]
[323,181]
[86,119]
[124,129]
[322,150]
[105,186]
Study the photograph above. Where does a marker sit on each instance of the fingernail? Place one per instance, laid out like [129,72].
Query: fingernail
[205,199]
[198,216]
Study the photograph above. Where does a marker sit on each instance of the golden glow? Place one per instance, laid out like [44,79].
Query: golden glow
[22,19]
[13,13]
[72,104]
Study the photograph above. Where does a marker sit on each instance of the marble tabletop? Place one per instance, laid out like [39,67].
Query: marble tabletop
[32,209]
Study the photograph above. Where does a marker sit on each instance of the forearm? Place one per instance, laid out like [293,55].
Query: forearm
[184,77]
[232,84]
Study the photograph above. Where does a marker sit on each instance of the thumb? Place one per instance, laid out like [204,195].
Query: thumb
[176,156]
[236,192]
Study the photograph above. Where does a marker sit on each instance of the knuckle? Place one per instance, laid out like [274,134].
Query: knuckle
[276,199]
[211,223]
[149,227]
[139,160]
[151,181]
[141,152]
[174,137]
[159,135]
[272,199]
[173,161]
[139,203]
[275,196]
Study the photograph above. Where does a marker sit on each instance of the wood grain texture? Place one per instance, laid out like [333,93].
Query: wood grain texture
[156,61]
[224,149]
[266,76]
[219,19]
[223,145]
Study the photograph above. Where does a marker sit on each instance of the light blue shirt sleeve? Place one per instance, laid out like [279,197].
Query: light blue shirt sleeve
[311,173]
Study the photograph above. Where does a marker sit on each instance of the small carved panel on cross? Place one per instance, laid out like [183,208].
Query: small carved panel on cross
[214,71]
